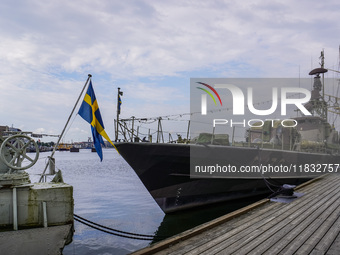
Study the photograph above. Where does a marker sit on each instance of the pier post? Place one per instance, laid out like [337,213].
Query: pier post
[15,209]
[44,214]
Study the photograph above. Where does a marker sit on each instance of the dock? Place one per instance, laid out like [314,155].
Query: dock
[308,225]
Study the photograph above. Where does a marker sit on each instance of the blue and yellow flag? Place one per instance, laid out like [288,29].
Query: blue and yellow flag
[89,111]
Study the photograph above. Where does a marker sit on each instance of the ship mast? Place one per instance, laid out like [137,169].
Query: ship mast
[119,102]
[317,104]
[334,99]
[322,64]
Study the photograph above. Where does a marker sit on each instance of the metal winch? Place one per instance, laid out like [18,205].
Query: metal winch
[14,158]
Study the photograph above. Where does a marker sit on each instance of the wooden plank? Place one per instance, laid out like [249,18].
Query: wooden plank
[331,239]
[278,216]
[214,234]
[330,227]
[190,233]
[229,238]
[313,224]
[335,248]
[220,237]
[292,235]
[308,183]
[267,227]
[241,222]
[276,230]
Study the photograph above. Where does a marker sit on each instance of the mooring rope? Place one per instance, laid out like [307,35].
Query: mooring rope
[280,189]
[112,230]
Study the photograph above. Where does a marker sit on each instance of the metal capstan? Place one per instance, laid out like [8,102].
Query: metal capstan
[14,158]
[13,153]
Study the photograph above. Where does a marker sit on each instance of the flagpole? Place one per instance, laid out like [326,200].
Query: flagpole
[68,120]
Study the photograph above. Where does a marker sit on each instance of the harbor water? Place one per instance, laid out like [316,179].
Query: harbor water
[110,193]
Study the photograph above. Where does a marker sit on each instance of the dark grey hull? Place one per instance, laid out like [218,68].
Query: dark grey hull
[164,170]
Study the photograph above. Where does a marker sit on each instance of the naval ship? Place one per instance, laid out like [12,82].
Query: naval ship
[164,168]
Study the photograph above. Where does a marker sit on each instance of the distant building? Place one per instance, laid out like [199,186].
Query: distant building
[4,129]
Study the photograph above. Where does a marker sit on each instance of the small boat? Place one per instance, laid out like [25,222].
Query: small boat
[64,147]
[74,149]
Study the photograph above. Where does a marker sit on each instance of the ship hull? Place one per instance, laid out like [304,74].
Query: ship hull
[164,170]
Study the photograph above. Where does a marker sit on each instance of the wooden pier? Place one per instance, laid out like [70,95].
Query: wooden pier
[308,225]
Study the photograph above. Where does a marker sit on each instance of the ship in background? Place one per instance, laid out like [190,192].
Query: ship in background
[164,168]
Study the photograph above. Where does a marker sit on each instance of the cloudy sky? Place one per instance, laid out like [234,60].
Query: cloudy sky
[149,49]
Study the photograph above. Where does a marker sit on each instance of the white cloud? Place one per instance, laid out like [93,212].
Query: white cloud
[48,48]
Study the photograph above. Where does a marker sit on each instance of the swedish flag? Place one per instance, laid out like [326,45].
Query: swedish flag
[89,111]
